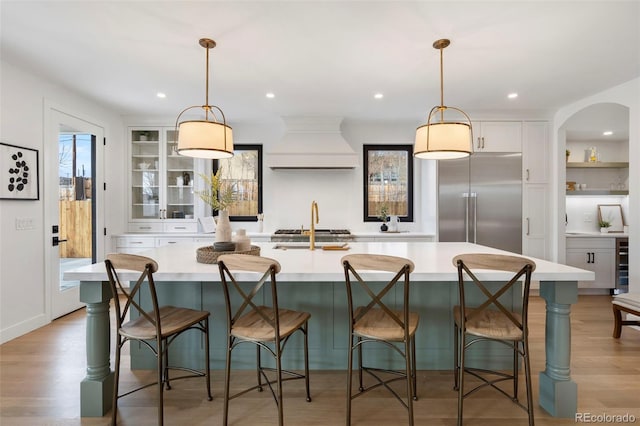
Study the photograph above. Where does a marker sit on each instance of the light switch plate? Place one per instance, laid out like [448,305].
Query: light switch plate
[24,223]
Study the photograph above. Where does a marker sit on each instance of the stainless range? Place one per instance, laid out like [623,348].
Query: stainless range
[322,235]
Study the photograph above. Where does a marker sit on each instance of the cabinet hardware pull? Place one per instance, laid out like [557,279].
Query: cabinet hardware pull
[180,227]
[483,142]
[527,175]
[528,227]
[478,142]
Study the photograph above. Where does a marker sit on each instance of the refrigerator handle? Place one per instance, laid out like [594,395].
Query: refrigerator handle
[465,195]
[474,197]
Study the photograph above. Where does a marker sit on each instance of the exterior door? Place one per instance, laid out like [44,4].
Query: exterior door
[72,205]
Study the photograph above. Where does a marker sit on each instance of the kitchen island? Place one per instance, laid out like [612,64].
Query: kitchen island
[314,281]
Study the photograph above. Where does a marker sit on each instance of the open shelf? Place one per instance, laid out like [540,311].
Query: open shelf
[598,165]
[597,192]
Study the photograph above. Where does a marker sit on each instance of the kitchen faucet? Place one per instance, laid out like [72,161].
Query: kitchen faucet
[312,232]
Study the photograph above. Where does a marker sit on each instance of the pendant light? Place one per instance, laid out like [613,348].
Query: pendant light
[442,139]
[208,138]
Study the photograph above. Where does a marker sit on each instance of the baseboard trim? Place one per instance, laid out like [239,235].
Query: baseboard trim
[23,327]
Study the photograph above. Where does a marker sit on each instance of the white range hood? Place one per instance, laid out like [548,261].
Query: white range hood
[312,143]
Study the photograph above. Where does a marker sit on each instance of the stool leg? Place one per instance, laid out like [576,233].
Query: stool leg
[456,366]
[306,359]
[206,358]
[460,353]
[407,370]
[227,378]
[349,378]
[415,370]
[116,378]
[617,316]
[527,372]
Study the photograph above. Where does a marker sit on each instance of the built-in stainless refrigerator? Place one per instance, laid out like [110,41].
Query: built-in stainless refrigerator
[480,200]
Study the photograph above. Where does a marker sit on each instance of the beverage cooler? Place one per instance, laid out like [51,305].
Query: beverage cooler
[622,265]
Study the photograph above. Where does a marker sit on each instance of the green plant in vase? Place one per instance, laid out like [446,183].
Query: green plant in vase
[383,215]
[604,225]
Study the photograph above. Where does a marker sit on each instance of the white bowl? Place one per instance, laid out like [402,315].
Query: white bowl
[144,166]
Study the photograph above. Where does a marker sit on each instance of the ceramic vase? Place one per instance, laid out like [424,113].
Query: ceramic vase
[223,227]
[604,230]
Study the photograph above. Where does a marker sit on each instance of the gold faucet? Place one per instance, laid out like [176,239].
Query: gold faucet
[312,232]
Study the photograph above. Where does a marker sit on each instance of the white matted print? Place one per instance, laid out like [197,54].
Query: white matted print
[18,173]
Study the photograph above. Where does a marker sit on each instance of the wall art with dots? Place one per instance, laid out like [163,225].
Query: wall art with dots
[18,173]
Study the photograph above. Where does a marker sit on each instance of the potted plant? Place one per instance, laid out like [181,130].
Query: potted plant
[604,225]
[220,195]
[383,215]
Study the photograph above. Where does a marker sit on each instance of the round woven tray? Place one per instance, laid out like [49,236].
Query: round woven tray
[208,255]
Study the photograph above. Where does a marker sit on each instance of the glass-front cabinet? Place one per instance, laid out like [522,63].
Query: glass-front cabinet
[161,182]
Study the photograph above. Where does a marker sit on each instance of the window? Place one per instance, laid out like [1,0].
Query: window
[243,172]
[388,181]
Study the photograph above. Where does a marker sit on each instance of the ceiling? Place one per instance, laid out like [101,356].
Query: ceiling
[326,58]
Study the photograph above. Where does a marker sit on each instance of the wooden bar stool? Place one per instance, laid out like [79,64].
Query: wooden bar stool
[265,325]
[156,329]
[492,321]
[381,319]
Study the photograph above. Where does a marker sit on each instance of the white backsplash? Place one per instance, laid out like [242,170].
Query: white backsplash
[581,208]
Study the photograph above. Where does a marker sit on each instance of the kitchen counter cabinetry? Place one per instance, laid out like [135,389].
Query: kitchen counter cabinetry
[595,254]
[497,136]
[393,236]
[161,197]
[136,243]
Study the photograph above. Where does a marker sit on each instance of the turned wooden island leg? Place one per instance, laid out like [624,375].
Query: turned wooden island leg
[558,393]
[97,387]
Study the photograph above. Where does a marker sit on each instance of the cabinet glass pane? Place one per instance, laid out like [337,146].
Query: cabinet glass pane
[145,178]
[179,175]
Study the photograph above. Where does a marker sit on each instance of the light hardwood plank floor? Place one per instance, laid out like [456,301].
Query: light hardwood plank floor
[41,371]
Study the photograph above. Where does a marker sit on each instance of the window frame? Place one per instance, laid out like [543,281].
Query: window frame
[366,149]
[246,147]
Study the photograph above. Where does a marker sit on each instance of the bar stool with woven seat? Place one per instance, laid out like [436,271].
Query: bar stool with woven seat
[267,326]
[156,328]
[492,321]
[378,320]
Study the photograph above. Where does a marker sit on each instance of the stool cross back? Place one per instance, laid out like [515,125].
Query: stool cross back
[378,321]
[155,328]
[491,320]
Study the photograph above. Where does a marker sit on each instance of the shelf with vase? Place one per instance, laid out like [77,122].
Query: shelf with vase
[598,165]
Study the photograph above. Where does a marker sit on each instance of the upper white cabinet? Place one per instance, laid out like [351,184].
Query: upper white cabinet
[497,136]
[161,183]
[535,152]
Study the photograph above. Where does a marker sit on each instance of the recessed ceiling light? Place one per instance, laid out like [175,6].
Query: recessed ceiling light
[607,133]
[161,95]
[512,95]
[270,95]
[378,96]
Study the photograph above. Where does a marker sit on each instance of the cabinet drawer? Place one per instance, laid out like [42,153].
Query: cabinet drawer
[140,242]
[165,241]
[180,227]
[145,227]
[591,243]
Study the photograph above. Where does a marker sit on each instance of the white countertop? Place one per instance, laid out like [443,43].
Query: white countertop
[177,262]
[403,234]
[596,235]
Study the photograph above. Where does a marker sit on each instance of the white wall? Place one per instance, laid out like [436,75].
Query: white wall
[627,94]
[23,301]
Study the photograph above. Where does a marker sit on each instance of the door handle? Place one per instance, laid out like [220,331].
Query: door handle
[57,241]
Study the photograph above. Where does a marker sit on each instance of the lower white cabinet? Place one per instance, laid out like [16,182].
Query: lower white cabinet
[593,254]
[134,244]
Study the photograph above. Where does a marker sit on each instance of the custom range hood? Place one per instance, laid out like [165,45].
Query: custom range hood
[312,143]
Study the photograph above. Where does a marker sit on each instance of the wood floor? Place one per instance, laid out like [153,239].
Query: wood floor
[41,371]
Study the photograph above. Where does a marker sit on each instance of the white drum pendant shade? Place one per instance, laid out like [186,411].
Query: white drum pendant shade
[443,140]
[440,138]
[205,139]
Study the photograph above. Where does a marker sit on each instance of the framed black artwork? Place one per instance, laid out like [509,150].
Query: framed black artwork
[18,173]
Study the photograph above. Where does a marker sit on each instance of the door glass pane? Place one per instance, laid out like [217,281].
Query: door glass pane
[76,209]
[179,180]
[145,177]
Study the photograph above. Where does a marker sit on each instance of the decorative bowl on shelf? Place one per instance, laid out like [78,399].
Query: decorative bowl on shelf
[144,166]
